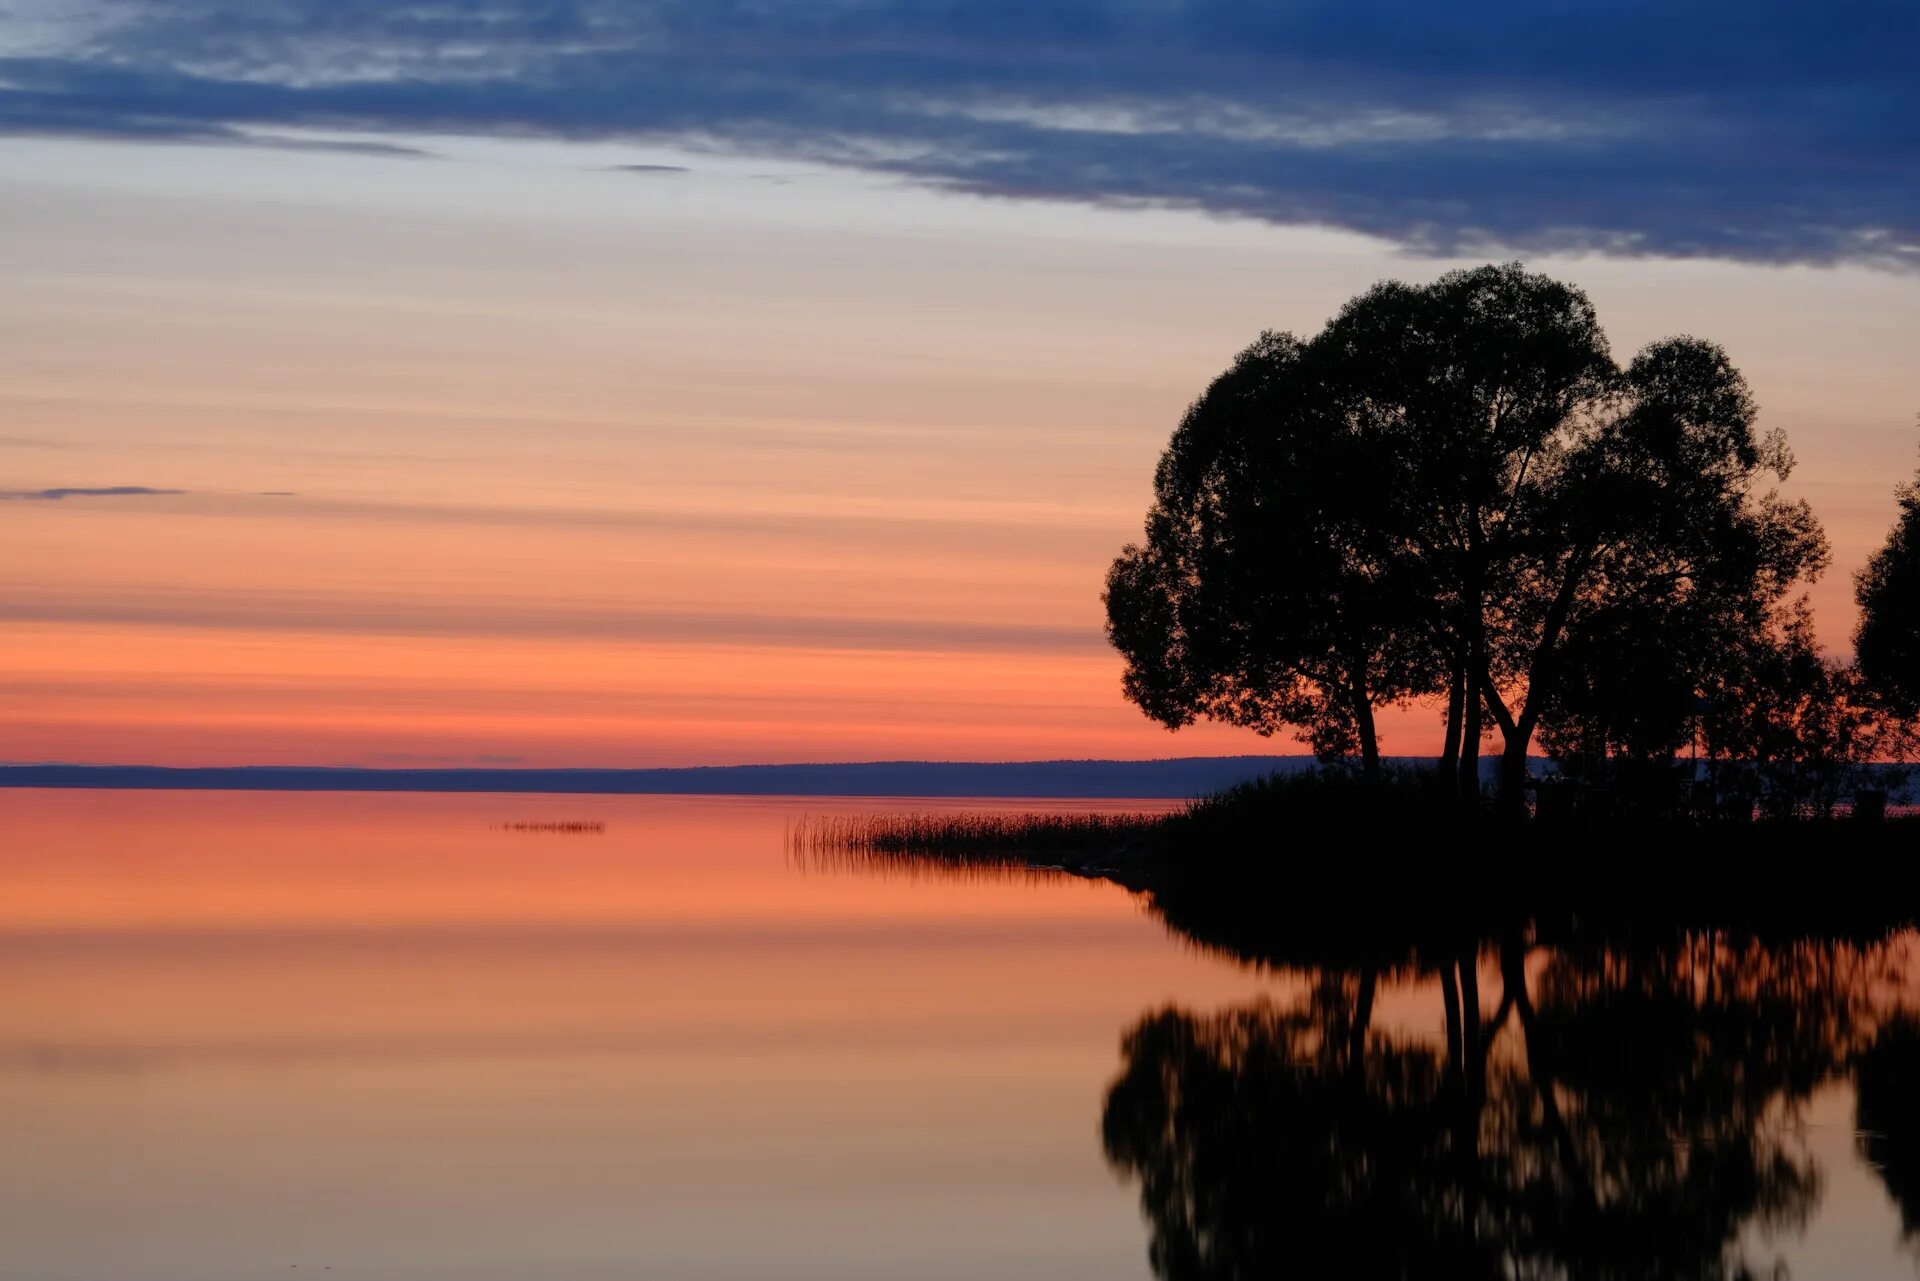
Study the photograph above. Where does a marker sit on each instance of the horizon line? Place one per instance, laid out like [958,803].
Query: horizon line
[1166,777]
[507,766]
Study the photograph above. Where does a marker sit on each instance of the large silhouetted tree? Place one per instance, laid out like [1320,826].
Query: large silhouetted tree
[1478,384]
[1661,509]
[1265,594]
[1450,490]
[1887,643]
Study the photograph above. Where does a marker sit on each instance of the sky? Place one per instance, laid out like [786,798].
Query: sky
[662,383]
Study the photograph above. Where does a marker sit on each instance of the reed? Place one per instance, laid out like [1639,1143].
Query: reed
[973,838]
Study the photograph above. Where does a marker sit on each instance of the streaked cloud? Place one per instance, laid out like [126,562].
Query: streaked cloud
[980,527]
[60,493]
[370,614]
[1765,131]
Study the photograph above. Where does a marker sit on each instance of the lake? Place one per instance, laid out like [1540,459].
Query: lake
[419,1036]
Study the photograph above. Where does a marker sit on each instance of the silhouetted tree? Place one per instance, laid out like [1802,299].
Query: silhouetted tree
[1887,643]
[1624,512]
[1625,704]
[1264,594]
[1784,726]
[1447,491]
[1478,382]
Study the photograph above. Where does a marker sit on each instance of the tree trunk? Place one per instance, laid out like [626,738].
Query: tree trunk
[1456,710]
[1469,768]
[1513,772]
[1517,727]
[1473,666]
[1361,699]
[1369,748]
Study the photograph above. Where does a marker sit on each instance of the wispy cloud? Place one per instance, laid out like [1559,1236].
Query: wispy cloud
[80,491]
[18,116]
[325,613]
[987,528]
[1766,130]
[342,146]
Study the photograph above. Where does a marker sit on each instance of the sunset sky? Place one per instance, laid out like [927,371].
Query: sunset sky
[656,383]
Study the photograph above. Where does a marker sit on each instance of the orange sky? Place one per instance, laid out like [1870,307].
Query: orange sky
[504,458]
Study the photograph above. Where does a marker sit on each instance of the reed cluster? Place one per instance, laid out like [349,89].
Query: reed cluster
[989,837]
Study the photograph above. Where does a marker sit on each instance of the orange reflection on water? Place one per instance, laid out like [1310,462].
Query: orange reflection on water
[376,1034]
[239,860]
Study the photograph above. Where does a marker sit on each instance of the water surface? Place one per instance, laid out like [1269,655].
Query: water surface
[258,1035]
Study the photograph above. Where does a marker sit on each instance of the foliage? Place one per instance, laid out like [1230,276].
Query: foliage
[1788,729]
[1453,491]
[1261,596]
[1887,642]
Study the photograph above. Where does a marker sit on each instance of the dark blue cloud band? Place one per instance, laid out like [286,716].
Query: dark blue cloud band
[1765,131]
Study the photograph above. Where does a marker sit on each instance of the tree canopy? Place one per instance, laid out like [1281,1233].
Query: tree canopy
[1453,491]
[1887,642]
[1265,595]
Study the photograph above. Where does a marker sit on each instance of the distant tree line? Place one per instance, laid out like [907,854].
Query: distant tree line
[1454,492]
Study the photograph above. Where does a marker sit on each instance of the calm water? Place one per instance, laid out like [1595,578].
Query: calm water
[252,1035]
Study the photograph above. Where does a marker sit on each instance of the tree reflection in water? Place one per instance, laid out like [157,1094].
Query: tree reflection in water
[1624,1100]
[1627,1107]
[1886,1084]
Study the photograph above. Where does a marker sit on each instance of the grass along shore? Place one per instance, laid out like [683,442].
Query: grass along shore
[1300,834]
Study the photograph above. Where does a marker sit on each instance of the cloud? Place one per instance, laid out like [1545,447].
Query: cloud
[1766,130]
[648,169]
[370,614]
[342,146]
[64,492]
[19,116]
[1065,530]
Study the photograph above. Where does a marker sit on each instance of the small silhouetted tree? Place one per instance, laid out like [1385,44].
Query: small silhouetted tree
[1887,643]
[1788,728]
[1624,706]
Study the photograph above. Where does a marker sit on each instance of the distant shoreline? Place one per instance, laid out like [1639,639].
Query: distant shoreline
[1174,778]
